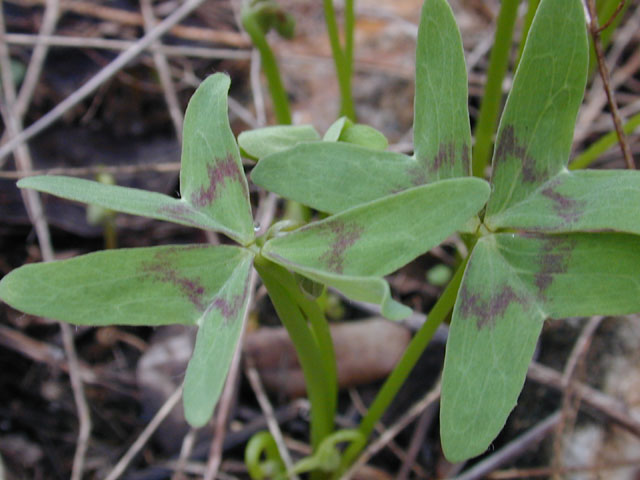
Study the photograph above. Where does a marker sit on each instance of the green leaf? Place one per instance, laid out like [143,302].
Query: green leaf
[586,200]
[376,238]
[344,130]
[332,177]
[215,195]
[335,130]
[211,177]
[512,283]
[139,286]
[577,274]
[216,343]
[441,131]
[261,142]
[127,200]
[536,130]
[365,135]
[491,340]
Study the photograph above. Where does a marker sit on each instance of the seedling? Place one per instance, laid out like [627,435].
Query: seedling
[549,242]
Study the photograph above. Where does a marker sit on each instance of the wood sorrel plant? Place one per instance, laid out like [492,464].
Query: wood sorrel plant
[549,243]
[208,286]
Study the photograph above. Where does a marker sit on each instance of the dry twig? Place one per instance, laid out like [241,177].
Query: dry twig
[162,66]
[570,402]
[125,17]
[603,404]
[102,76]
[13,113]
[144,437]
[512,450]
[429,399]
[115,44]
[604,74]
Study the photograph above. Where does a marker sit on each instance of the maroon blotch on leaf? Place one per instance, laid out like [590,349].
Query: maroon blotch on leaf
[344,236]
[445,158]
[486,310]
[229,309]
[555,260]
[508,146]
[162,269]
[567,208]
[218,173]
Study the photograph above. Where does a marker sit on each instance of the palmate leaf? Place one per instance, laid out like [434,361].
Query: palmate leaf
[512,283]
[211,176]
[351,174]
[137,286]
[586,200]
[189,284]
[536,129]
[216,343]
[127,200]
[441,131]
[374,239]
[213,185]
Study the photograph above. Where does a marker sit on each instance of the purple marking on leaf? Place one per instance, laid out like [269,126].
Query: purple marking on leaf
[218,172]
[444,159]
[508,146]
[229,309]
[567,208]
[556,253]
[162,268]
[466,159]
[345,235]
[178,212]
[486,310]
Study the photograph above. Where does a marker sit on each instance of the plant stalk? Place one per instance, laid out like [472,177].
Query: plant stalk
[313,353]
[278,94]
[402,370]
[343,59]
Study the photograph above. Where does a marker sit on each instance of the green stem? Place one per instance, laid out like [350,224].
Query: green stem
[342,59]
[283,291]
[270,68]
[349,26]
[401,371]
[110,233]
[492,99]
[322,333]
[603,144]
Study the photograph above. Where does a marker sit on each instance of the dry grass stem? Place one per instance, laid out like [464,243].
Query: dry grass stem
[512,450]
[604,74]
[144,437]
[115,44]
[571,402]
[390,433]
[102,76]
[162,66]
[613,409]
[125,17]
